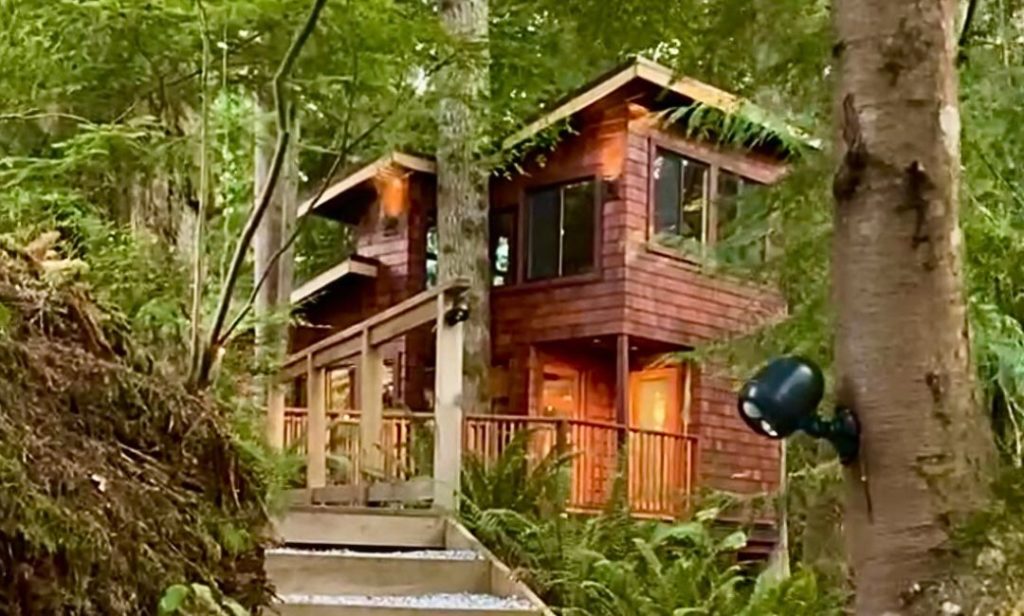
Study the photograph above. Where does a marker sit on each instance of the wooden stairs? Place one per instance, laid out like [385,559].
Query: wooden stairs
[343,561]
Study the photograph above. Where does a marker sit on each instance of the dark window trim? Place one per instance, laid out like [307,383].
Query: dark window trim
[655,143]
[652,193]
[522,228]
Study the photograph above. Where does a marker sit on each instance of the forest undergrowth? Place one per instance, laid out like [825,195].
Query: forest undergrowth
[116,482]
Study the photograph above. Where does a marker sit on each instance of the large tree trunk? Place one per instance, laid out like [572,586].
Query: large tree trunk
[462,193]
[902,349]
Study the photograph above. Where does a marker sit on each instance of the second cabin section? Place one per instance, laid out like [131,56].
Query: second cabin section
[602,275]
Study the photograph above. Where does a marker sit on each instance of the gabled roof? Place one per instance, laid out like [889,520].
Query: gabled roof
[642,69]
[660,78]
[367,173]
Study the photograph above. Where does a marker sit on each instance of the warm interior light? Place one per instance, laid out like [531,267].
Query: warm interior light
[392,187]
[611,147]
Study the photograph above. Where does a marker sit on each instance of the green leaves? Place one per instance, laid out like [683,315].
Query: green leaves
[612,565]
[197,599]
[173,600]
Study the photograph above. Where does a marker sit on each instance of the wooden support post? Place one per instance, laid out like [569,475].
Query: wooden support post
[562,437]
[371,406]
[316,426]
[622,380]
[275,414]
[447,409]
[622,406]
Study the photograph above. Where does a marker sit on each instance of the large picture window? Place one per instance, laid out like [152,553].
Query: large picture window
[560,223]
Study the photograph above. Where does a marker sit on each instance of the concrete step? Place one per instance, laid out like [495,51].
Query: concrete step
[462,604]
[421,572]
[336,526]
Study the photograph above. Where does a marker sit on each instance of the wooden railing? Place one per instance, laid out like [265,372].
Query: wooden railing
[659,465]
[405,445]
[373,451]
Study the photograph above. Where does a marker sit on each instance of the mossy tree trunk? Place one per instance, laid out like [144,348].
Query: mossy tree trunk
[902,349]
[462,195]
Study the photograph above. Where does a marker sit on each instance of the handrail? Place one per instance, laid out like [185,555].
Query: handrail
[596,423]
[365,340]
[294,364]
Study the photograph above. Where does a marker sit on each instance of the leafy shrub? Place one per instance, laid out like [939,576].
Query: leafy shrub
[613,565]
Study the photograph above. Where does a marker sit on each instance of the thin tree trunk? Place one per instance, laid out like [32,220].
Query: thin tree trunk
[272,296]
[206,356]
[462,191]
[902,349]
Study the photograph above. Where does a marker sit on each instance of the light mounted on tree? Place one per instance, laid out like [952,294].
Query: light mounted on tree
[459,311]
[783,398]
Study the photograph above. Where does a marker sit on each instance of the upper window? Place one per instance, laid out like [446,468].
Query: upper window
[681,187]
[502,250]
[560,225]
[687,215]
[730,188]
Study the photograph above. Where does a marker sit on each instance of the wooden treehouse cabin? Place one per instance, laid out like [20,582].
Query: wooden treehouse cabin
[602,278]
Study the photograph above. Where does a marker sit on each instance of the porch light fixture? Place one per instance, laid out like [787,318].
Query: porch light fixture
[783,398]
[459,311]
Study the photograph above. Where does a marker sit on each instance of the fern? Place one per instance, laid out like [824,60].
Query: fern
[612,564]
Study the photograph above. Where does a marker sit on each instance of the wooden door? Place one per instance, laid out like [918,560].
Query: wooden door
[561,398]
[657,456]
[562,392]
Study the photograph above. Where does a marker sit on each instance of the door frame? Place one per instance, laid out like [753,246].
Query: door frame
[682,381]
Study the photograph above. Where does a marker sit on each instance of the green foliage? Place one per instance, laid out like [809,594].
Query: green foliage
[611,564]
[197,600]
[117,480]
[516,482]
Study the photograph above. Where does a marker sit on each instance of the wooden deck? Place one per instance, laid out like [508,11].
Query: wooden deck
[659,465]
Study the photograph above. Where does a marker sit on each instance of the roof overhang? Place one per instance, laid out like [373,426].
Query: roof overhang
[643,70]
[349,268]
[367,174]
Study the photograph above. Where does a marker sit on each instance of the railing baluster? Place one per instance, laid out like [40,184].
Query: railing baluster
[660,469]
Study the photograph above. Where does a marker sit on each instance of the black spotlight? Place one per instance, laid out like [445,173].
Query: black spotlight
[459,311]
[783,398]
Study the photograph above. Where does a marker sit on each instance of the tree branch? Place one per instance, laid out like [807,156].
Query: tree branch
[965,31]
[201,376]
[294,235]
[342,154]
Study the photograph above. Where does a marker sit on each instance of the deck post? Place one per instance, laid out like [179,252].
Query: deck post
[622,379]
[316,430]
[371,405]
[622,406]
[447,407]
[275,415]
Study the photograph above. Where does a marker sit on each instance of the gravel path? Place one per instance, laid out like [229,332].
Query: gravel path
[464,601]
[415,554]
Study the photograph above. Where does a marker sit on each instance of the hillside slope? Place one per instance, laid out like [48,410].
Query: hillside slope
[115,482]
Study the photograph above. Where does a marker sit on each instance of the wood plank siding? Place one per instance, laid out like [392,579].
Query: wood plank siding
[659,300]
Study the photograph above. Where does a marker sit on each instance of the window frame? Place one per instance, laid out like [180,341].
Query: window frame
[709,233]
[709,189]
[523,232]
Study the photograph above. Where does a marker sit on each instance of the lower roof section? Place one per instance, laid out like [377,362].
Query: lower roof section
[349,268]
